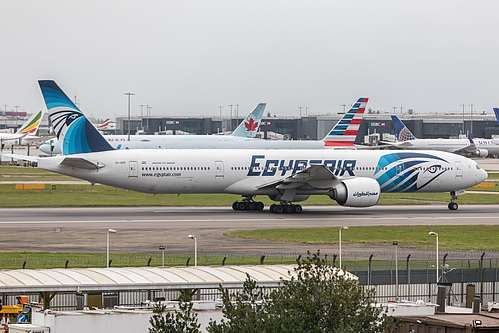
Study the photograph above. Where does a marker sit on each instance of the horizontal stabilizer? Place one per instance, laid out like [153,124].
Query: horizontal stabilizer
[81,163]
[21,157]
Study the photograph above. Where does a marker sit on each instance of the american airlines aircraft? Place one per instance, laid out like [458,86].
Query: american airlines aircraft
[476,147]
[26,132]
[353,178]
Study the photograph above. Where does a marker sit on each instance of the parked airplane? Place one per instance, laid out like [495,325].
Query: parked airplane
[342,135]
[25,133]
[353,178]
[476,147]
[247,129]
[104,125]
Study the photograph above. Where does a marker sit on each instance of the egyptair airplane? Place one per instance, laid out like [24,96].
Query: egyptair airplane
[476,147]
[26,131]
[353,178]
[342,135]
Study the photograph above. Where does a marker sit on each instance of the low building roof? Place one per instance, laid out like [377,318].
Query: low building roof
[142,278]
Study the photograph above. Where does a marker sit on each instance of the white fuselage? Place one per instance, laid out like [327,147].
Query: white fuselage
[248,172]
[192,142]
[450,145]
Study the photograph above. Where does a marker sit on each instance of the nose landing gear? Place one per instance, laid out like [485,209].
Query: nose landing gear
[452,204]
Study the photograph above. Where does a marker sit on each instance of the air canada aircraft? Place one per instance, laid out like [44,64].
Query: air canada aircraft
[26,131]
[353,178]
[342,135]
[247,129]
[475,147]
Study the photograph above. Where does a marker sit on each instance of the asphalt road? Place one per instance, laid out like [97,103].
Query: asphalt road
[143,229]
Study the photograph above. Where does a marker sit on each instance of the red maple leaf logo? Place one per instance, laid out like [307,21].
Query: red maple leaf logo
[251,125]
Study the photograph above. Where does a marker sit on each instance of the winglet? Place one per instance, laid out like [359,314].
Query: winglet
[32,124]
[250,125]
[75,133]
[346,129]
[402,132]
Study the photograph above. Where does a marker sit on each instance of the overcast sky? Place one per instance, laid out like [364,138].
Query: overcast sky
[187,57]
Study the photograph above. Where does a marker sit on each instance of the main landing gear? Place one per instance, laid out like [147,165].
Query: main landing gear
[286,209]
[452,204]
[248,204]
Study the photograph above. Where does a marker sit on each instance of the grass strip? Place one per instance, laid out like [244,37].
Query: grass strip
[451,237]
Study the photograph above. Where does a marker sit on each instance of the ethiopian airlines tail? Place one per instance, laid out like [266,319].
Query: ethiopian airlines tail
[250,125]
[73,130]
[344,132]
[402,132]
[32,124]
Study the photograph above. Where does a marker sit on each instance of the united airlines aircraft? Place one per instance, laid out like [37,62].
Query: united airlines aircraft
[353,178]
[476,147]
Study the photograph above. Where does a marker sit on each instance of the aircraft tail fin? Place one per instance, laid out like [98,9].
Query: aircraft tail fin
[346,129]
[496,111]
[104,124]
[250,125]
[401,131]
[32,124]
[75,133]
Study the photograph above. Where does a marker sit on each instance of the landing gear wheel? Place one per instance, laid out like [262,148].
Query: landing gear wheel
[260,206]
[288,209]
[453,205]
[279,209]
[241,206]
[272,208]
[251,205]
[235,205]
[297,209]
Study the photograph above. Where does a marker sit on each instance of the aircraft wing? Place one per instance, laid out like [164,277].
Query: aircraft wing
[81,163]
[471,148]
[401,145]
[21,157]
[314,177]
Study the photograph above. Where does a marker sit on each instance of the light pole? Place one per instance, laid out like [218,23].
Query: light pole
[463,116]
[342,228]
[129,94]
[162,248]
[109,231]
[436,268]
[195,249]
[396,272]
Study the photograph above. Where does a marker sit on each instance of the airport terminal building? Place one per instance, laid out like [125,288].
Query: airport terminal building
[315,127]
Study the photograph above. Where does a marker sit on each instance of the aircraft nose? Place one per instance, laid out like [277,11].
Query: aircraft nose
[483,175]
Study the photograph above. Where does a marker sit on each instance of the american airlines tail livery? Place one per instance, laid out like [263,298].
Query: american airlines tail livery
[353,178]
[476,147]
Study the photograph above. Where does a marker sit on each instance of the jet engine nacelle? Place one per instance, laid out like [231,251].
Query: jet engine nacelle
[356,192]
[481,152]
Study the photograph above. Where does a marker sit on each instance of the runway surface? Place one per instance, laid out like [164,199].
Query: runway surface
[144,229]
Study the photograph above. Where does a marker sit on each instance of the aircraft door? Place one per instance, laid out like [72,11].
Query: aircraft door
[459,170]
[219,169]
[133,169]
